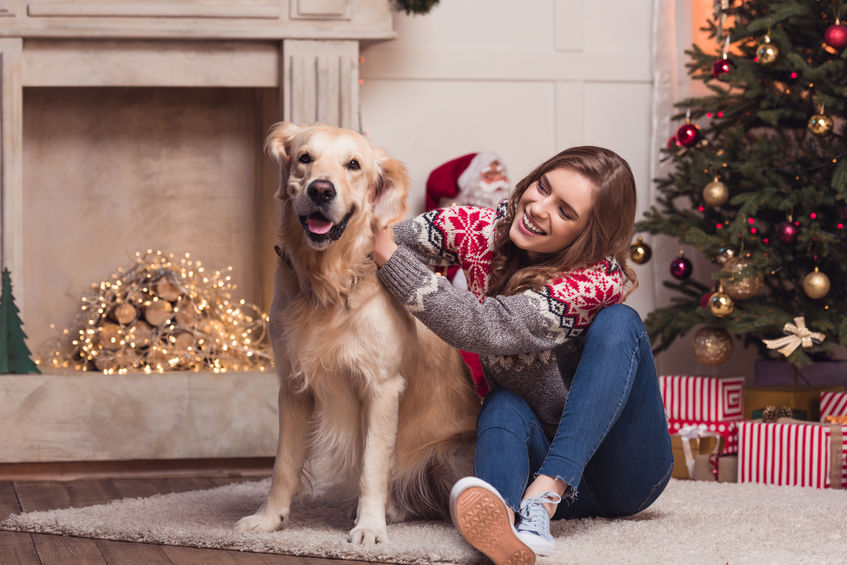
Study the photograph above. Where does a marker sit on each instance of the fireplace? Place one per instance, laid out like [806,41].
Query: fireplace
[134,125]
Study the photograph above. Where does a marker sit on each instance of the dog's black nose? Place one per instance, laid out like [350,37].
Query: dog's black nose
[321,191]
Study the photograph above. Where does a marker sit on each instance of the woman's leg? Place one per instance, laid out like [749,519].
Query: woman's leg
[510,445]
[483,508]
[613,440]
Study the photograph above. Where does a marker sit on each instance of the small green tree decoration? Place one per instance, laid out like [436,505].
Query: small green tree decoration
[14,354]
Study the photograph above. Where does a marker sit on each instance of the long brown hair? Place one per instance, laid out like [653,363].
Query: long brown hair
[608,231]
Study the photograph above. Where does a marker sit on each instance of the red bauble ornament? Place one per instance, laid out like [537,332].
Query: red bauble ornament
[673,142]
[836,36]
[681,268]
[721,67]
[787,232]
[688,134]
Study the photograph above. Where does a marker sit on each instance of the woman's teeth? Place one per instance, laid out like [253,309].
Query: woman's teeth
[531,227]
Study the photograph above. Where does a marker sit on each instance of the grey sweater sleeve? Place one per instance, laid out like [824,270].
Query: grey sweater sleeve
[503,325]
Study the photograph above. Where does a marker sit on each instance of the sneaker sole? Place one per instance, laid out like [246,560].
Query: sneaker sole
[483,521]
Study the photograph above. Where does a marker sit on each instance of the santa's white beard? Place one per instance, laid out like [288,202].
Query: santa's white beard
[499,184]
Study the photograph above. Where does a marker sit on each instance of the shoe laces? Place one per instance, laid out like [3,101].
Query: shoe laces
[534,516]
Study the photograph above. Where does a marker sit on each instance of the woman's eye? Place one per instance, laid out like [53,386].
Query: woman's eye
[564,213]
[353,165]
[541,188]
[305,158]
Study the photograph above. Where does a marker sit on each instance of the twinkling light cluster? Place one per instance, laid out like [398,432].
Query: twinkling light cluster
[165,314]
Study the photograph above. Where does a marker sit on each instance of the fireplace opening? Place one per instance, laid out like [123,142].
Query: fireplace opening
[109,172]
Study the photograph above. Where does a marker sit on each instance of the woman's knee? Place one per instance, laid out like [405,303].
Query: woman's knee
[502,405]
[617,324]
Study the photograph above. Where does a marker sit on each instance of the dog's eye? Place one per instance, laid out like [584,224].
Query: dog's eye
[305,158]
[353,165]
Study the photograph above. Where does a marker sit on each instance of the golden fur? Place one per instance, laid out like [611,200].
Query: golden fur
[368,396]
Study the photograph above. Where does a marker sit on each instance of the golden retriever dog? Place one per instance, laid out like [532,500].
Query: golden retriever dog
[369,398]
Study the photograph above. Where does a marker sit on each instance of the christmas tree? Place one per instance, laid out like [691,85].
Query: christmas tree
[758,183]
[14,355]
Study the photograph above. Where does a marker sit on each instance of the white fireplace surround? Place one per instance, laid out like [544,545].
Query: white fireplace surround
[305,53]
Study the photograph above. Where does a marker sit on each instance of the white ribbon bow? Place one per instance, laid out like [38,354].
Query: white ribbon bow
[689,432]
[798,334]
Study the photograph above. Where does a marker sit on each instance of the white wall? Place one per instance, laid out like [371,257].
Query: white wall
[525,79]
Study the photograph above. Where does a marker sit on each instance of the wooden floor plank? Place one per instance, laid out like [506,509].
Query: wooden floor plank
[17,548]
[49,495]
[42,495]
[8,500]
[128,553]
[195,556]
[66,550]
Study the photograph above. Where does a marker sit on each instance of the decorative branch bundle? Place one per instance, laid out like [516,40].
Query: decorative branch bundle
[165,314]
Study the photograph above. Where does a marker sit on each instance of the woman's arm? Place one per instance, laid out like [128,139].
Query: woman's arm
[503,325]
[447,236]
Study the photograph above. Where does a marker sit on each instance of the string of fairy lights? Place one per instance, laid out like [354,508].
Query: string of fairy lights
[165,313]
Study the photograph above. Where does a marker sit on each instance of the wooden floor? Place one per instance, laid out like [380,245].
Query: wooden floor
[34,549]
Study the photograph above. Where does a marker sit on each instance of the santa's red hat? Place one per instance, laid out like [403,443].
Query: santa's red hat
[467,181]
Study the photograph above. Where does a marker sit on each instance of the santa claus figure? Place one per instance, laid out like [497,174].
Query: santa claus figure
[476,179]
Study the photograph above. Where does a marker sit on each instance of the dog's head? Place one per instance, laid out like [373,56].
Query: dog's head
[333,178]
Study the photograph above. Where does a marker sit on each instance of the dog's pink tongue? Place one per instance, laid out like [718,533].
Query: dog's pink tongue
[317,226]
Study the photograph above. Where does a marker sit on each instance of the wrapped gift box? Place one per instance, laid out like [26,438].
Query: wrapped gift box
[705,399]
[727,430]
[773,372]
[806,398]
[723,469]
[833,404]
[688,450]
[792,453]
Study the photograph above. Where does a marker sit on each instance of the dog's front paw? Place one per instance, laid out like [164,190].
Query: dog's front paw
[260,522]
[369,534]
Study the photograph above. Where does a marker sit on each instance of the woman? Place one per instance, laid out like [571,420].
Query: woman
[546,275]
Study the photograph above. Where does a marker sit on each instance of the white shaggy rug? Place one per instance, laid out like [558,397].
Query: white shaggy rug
[692,522]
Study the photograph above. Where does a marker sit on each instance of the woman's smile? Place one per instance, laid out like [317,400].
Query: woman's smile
[530,226]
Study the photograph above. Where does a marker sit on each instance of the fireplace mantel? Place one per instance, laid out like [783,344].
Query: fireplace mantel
[300,61]
[307,49]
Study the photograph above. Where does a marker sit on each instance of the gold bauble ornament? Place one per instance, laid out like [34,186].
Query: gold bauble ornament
[712,346]
[816,284]
[721,304]
[739,280]
[820,124]
[715,193]
[766,52]
[724,255]
[640,252]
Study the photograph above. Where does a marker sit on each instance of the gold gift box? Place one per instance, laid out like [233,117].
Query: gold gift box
[806,398]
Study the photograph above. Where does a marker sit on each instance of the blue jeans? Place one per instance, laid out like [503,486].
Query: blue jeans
[612,441]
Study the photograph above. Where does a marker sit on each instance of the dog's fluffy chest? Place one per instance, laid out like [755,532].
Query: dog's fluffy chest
[353,339]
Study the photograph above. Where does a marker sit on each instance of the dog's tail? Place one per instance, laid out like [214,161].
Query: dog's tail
[424,492]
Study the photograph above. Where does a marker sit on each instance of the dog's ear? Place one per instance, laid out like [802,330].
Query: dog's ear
[392,188]
[278,141]
[278,146]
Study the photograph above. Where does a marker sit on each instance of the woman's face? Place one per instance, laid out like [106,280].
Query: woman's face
[552,212]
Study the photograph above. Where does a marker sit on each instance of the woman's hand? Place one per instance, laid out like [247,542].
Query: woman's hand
[384,245]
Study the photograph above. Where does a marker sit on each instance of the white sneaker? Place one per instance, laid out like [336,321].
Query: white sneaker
[534,527]
[482,517]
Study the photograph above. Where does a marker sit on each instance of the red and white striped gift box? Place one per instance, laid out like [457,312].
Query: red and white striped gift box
[794,454]
[833,404]
[713,399]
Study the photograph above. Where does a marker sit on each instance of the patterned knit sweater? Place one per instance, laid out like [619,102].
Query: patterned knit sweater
[529,342]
